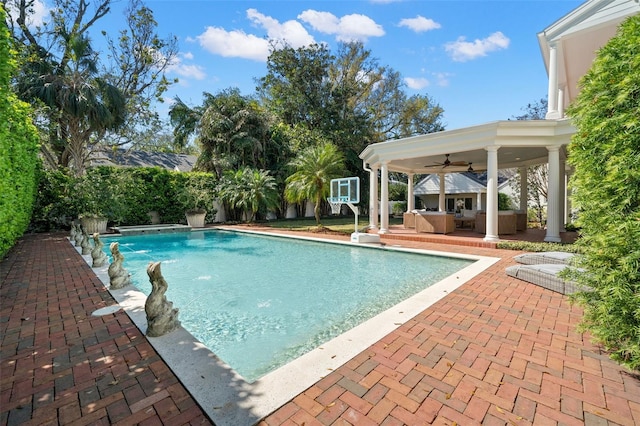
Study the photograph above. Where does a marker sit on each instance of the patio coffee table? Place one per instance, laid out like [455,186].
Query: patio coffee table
[463,222]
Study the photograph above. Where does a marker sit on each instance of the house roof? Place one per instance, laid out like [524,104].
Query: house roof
[519,143]
[131,158]
[458,183]
[578,35]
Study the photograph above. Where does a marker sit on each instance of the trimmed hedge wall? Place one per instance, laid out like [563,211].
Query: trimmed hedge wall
[18,152]
[125,196]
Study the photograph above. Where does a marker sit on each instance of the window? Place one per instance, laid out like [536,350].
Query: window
[454,204]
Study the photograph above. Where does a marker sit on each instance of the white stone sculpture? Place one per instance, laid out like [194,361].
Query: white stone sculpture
[118,276]
[99,257]
[162,317]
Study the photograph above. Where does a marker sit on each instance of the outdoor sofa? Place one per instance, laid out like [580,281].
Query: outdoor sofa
[434,222]
[507,222]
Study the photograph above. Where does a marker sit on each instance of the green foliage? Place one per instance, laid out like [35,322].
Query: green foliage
[397,191]
[605,154]
[249,191]
[537,247]
[399,208]
[504,202]
[198,192]
[325,92]
[83,96]
[18,151]
[125,196]
[56,202]
[315,167]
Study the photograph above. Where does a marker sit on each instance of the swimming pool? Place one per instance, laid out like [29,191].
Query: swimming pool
[227,398]
[259,301]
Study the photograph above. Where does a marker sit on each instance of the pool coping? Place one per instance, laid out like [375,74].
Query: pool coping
[226,397]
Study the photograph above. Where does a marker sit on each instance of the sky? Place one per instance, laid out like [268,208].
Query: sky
[478,59]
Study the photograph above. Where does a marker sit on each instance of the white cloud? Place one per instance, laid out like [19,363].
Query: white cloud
[416,83]
[238,44]
[189,71]
[442,78]
[234,44]
[462,51]
[419,24]
[177,66]
[354,27]
[38,17]
[291,31]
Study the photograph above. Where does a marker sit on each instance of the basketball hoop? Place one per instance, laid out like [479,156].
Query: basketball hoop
[335,207]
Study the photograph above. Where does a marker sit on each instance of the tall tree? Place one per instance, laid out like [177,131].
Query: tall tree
[136,70]
[137,63]
[46,51]
[605,154]
[296,87]
[315,167]
[81,104]
[348,96]
[232,131]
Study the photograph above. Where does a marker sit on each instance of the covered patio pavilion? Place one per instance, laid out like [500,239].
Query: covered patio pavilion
[491,146]
[568,48]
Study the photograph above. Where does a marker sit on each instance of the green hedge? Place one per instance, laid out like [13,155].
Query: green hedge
[605,154]
[18,152]
[125,196]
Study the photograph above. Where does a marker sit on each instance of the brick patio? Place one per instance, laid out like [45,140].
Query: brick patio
[495,351]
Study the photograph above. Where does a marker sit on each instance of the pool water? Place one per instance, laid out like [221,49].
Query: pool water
[259,301]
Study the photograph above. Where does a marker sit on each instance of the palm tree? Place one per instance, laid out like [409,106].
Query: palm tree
[249,190]
[315,167]
[231,130]
[83,106]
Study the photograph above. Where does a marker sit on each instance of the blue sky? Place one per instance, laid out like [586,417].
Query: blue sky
[479,60]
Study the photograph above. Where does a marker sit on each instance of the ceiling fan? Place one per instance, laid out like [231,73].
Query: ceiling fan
[448,163]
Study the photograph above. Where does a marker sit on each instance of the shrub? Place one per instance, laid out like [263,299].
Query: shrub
[504,202]
[537,247]
[605,154]
[125,196]
[18,151]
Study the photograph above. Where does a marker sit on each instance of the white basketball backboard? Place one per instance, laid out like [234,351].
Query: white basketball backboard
[345,190]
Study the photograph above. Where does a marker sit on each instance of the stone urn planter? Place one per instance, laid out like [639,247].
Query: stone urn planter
[195,218]
[93,224]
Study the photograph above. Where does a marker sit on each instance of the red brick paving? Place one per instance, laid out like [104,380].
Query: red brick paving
[60,365]
[495,351]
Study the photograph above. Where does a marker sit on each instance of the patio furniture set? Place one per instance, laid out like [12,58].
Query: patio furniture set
[509,221]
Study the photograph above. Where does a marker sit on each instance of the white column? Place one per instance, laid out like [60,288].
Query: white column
[373,197]
[567,204]
[561,196]
[552,93]
[479,201]
[553,196]
[410,198]
[384,199]
[492,194]
[561,102]
[524,189]
[441,198]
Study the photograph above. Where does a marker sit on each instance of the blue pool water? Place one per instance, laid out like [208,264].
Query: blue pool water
[259,301]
